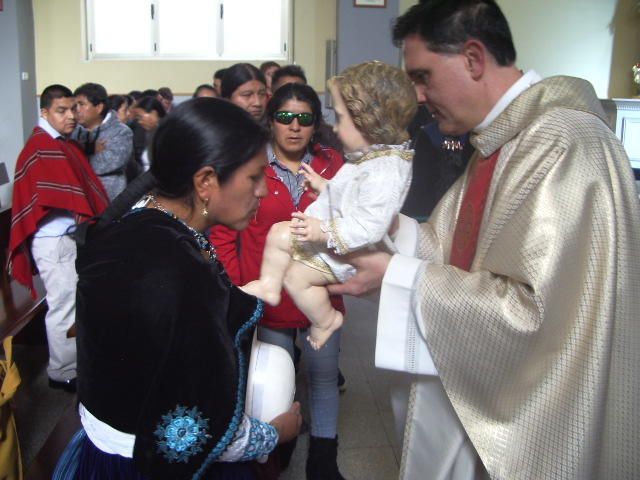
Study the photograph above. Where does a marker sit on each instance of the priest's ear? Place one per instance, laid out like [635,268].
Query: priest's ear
[476,57]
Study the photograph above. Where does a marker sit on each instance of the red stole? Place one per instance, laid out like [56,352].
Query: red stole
[465,237]
[50,174]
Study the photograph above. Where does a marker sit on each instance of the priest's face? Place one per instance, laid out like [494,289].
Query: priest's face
[446,83]
[60,115]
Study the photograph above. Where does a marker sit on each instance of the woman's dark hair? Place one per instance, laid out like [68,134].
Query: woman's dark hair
[300,92]
[151,104]
[198,132]
[116,101]
[237,75]
[201,132]
[446,25]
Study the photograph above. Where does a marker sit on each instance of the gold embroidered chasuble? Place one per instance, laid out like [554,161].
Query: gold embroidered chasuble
[538,346]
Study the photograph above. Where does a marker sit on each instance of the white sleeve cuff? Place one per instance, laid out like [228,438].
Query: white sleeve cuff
[405,238]
[400,344]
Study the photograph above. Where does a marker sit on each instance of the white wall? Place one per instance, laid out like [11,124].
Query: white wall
[594,39]
[17,97]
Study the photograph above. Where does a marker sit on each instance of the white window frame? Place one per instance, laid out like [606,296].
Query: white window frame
[286,38]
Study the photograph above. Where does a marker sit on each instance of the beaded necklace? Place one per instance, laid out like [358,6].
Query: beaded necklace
[203,242]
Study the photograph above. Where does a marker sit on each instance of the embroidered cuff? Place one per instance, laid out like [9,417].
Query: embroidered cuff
[253,439]
[263,438]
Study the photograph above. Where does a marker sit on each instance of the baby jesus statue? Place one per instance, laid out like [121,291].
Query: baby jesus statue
[374,103]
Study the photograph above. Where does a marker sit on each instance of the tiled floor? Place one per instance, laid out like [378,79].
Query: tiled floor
[368,449]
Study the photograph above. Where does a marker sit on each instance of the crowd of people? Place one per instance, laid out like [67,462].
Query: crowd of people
[509,312]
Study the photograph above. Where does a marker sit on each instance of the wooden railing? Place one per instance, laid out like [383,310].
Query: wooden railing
[17,307]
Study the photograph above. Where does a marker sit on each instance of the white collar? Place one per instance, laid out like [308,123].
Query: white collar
[524,82]
[46,126]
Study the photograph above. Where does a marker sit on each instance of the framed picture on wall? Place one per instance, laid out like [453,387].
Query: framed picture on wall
[370,3]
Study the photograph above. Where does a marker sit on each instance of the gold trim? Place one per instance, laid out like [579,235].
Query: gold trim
[403,154]
[303,253]
[340,247]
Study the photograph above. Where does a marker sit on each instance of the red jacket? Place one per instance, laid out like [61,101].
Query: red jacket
[241,252]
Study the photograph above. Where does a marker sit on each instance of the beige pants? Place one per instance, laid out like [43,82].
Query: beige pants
[55,258]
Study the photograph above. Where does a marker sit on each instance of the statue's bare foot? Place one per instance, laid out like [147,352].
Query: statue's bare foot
[318,336]
[257,288]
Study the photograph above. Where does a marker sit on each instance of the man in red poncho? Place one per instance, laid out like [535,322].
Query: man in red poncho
[54,189]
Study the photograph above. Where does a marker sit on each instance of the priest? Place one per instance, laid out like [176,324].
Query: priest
[516,305]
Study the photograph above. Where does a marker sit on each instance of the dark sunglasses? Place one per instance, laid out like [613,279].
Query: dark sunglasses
[304,119]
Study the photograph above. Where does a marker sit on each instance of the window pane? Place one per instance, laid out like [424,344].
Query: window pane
[253,28]
[187,27]
[122,27]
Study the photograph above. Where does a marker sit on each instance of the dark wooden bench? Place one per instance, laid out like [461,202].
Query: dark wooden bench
[17,307]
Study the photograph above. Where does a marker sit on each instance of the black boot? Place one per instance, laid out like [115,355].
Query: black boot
[322,460]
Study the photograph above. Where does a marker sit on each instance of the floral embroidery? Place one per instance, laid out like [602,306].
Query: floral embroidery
[182,434]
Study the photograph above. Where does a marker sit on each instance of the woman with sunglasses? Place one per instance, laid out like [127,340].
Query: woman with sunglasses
[294,114]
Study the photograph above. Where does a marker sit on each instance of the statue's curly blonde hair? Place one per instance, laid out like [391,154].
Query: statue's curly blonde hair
[381,100]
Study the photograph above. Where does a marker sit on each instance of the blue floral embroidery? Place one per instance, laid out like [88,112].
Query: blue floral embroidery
[238,413]
[182,434]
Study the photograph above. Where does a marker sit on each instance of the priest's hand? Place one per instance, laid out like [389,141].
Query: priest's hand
[370,266]
[288,424]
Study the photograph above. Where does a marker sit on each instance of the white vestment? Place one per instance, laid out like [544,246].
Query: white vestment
[538,344]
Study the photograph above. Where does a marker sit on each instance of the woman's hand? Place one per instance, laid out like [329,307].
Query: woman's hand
[307,229]
[312,179]
[288,424]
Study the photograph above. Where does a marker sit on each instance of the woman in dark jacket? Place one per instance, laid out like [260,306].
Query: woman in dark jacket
[163,334]
[294,113]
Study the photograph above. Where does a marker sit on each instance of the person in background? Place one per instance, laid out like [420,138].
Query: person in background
[149,112]
[121,104]
[135,94]
[217,81]
[54,188]
[267,69]
[245,85]
[292,145]
[149,92]
[165,95]
[287,74]
[520,293]
[163,335]
[107,142]
[204,90]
